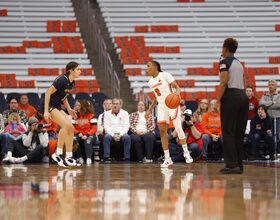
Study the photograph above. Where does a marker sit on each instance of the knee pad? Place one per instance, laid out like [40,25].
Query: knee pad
[179,128]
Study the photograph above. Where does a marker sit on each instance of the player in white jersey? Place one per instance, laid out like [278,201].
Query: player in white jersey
[161,84]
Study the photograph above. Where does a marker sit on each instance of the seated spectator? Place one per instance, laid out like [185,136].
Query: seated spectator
[261,129]
[3,139]
[24,105]
[253,102]
[107,106]
[14,129]
[48,126]
[142,134]
[193,130]
[32,147]
[116,124]
[202,109]
[85,131]
[13,107]
[212,129]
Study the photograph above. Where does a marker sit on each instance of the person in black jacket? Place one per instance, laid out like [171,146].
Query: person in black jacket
[261,129]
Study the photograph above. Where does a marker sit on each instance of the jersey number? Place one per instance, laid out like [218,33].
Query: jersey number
[157,92]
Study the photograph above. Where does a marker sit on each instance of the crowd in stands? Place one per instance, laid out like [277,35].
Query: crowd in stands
[118,135]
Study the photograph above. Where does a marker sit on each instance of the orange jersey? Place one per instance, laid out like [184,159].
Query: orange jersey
[85,124]
[212,123]
[29,109]
[49,125]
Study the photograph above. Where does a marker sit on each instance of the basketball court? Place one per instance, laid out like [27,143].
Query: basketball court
[139,191]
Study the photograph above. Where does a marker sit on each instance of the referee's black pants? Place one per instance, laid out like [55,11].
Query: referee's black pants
[234,115]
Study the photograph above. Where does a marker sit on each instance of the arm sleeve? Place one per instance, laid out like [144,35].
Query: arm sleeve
[107,124]
[60,82]
[99,125]
[2,126]
[132,123]
[26,139]
[265,102]
[93,126]
[44,139]
[223,65]
[125,127]
[151,124]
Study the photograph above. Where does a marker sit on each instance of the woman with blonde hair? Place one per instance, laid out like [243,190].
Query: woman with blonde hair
[203,108]
[14,129]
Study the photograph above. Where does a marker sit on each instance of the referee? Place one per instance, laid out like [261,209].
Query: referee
[234,107]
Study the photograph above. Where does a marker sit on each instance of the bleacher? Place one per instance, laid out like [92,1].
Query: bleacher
[37,40]
[186,38]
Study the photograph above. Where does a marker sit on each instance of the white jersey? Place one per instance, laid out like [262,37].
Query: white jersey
[161,87]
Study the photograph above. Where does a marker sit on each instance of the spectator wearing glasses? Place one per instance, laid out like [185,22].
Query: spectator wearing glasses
[202,109]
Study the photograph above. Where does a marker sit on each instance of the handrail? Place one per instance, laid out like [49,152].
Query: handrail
[99,46]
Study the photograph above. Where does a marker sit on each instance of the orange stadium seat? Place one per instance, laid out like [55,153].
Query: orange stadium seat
[164,28]
[249,80]
[195,71]
[172,49]
[144,60]
[3,12]
[211,95]
[53,26]
[271,70]
[51,71]
[8,83]
[137,39]
[86,83]
[5,49]
[255,70]
[277,27]
[69,26]
[30,43]
[89,90]
[142,29]
[129,60]
[133,71]
[183,0]
[198,0]
[85,71]
[274,60]
[75,45]
[8,77]
[156,49]
[26,84]
[44,44]
[259,94]
[36,71]
[186,83]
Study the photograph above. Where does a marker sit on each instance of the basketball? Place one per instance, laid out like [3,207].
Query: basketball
[172,101]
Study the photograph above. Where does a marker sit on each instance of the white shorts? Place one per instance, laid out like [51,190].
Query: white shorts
[166,114]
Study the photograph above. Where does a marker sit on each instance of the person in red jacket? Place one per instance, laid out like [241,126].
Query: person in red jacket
[25,106]
[85,131]
[253,102]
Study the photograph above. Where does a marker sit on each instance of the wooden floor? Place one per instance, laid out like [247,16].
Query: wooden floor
[139,191]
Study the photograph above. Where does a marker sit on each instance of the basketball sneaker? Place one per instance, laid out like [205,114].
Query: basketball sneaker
[166,163]
[72,162]
[188,157]
[59,159]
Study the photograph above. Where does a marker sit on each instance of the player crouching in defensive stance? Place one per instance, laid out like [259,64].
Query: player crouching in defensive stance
[160,84]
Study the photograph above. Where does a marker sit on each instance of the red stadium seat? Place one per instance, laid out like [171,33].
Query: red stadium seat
[183,0]
[8,77]
[156,49]
[85,71]
[259,94]
[14,49]
[30,43]
[172,49]
[89,90]
[198,0]
[53,26]
[75,45]
[69,26]
[142,29]
[164,28]
[133,71]
[255,71]
[277,27]
[44,44]
[5,49]
[36,71]
[8,83]
[129,60]
[26,84]
[274,60]
[196,71]
[51,71]
[3,12]
[86,83]
[271,70]
[186,83]
[144,60]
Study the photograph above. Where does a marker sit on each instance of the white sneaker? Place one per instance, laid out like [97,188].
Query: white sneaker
[72,162]
[6,158]
[148,161]
[59,159]
[81,160]
[96,158]
[166,163]
[188,157]
[89,162]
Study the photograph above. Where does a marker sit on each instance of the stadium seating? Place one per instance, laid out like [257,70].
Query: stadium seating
[37,40]
[187,35]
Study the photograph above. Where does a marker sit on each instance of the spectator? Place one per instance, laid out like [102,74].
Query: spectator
[212,128]
[253,102]
[142,133]
[261,129]
[32,147]
[13,107]
[14,129]
[25,106]
[48,126]
[272,102]
[202,109]
[85,131]
[193,130]
[3,139]
[116,124]
[107,105]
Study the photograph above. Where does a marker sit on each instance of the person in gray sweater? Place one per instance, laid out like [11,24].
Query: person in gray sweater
[272,101]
